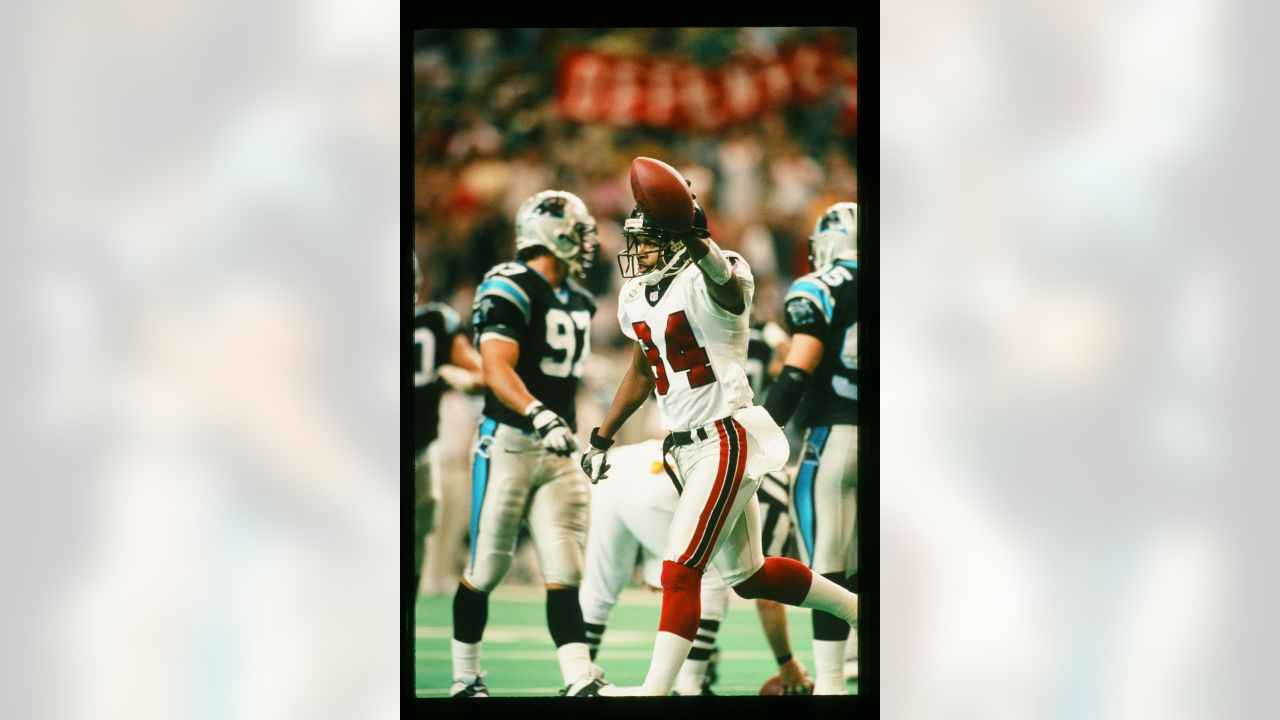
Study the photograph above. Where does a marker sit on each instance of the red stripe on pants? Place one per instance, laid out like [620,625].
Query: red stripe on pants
[707,510]
[741,436]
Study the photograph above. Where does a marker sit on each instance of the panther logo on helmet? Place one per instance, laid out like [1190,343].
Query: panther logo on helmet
[559,221]
[835,235]
[653,252]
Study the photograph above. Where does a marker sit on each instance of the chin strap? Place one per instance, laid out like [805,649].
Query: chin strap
[671,268]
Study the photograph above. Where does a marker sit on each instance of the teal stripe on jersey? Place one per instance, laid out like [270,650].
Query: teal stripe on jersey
[502,287]
[815,292]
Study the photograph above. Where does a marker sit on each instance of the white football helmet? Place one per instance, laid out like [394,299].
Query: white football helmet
[558,221]
[835,235]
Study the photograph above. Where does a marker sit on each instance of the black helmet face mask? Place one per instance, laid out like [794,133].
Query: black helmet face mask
[654,252]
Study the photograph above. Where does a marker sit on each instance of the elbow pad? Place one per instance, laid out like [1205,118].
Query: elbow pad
[785,394]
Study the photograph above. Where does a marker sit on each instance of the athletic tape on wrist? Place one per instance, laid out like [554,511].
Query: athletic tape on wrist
[715,265]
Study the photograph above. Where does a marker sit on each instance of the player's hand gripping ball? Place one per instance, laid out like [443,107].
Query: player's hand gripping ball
[662,193]
[790,680]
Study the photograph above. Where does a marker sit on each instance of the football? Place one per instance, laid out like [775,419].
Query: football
[662,193]
[772,686]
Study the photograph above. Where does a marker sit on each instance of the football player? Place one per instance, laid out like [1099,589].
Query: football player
[633,513]
[442,354]
[686,305]
[531,324]
[820,377]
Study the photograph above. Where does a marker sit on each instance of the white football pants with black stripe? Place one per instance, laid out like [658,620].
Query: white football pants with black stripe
[717,519]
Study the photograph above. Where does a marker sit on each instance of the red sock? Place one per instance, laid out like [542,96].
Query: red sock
[681,600]
[781,579]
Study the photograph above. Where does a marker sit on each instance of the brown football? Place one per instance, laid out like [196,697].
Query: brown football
[662,193]
[772,686]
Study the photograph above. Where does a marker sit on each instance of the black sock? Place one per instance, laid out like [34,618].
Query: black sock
[564,616]
[470,614]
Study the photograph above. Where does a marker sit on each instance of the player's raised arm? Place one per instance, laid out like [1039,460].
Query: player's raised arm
[723,283]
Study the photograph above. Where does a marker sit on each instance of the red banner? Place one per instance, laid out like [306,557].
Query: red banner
[663,92]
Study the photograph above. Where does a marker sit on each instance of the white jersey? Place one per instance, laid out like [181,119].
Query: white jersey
[697,349]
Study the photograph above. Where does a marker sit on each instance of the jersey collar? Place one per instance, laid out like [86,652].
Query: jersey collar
[561,293]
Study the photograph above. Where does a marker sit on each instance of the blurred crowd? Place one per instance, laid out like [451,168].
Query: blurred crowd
[487,135]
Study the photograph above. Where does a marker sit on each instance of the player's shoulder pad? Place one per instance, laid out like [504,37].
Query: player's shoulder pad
[811,287]
[507,281]
[631,289]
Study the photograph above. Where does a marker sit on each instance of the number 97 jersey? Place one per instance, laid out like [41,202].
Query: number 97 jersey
[515,303]
[696,349]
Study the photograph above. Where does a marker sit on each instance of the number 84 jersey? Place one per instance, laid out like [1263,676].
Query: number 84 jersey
[696,349]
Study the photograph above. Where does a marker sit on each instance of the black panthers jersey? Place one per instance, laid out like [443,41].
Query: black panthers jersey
[824,304]
[551,326]
[434,327]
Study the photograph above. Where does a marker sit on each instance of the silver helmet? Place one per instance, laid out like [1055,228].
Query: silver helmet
[835,235]
[558,221]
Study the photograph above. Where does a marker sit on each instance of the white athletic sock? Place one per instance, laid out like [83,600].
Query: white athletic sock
[826,595]
[669,651]
[692,673]
[694,669]
[828,665]
[466,660]
[575,661]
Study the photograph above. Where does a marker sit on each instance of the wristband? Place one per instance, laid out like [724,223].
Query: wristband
[714,265]
[600,443]
[785,393]
[784,659]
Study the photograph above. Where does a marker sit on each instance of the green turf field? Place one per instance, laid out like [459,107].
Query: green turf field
[520,658]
